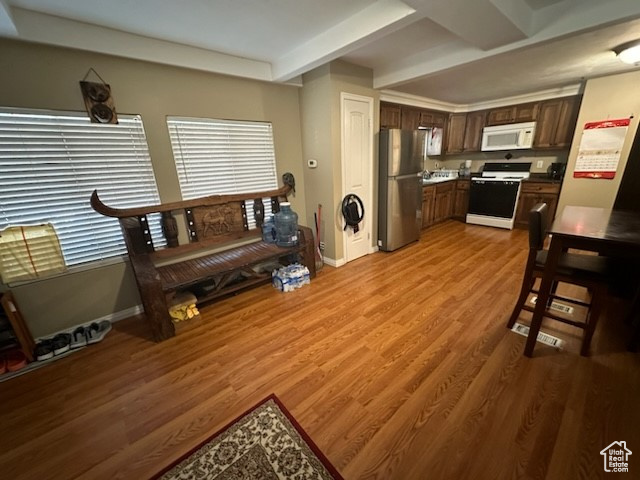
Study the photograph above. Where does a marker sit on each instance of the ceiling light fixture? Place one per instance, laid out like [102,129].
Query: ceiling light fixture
[629,52]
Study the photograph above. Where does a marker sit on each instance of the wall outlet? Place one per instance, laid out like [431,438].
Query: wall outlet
[539,164]
[322,246]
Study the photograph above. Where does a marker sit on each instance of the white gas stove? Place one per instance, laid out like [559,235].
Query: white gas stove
[494,195]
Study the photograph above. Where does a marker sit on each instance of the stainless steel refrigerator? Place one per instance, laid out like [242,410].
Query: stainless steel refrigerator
[402,154]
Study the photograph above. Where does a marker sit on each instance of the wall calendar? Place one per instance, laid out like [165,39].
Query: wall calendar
[600,148]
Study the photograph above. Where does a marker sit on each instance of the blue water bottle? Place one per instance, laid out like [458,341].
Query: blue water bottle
[286,226]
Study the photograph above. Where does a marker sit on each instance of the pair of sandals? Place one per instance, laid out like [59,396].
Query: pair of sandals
[63,342]
[90,334]
[12,361]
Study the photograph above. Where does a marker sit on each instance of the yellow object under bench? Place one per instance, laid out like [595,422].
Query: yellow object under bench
[183,307]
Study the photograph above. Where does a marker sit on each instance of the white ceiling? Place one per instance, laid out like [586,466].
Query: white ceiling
[456,51]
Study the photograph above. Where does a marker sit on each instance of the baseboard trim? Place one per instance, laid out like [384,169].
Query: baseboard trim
[112,317]
[122,314]
[334,263]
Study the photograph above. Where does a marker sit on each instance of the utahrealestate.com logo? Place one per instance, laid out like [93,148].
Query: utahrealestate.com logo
[616,457]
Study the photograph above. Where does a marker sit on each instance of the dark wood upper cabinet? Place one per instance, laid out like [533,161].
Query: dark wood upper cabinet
[389,115]
[557,122]
[501,116]
[525,112]
[455,133]
[473,131]
[430,118]
[410,118]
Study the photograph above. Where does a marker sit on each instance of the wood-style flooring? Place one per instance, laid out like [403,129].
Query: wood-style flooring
[398,365]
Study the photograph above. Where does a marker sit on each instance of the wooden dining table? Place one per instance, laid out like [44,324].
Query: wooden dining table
[606,231]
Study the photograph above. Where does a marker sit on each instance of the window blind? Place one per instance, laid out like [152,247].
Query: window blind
[50,162]
[223,157]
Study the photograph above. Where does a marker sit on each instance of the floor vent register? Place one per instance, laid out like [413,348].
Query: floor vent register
[542,337]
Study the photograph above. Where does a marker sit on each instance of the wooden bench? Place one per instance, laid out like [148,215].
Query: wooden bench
[211,263]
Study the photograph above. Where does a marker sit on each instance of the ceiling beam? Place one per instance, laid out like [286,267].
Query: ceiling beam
[557,20]
[485,24]
[42,28]
[7,25]
[375,21]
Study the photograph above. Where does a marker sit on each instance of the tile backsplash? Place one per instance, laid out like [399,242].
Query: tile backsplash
[452,162]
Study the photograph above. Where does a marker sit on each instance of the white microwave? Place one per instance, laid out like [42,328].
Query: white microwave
[515,136]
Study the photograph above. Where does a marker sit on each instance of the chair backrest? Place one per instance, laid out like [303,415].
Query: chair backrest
[537,226]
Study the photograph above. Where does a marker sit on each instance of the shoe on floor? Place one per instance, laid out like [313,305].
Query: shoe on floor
[16,360]
[97,331]
[61,343]
[44,350]
[79,338]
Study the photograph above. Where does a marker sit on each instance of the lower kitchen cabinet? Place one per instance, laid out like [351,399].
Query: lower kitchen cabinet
[533,193]
[444,201]
[428,203]
[461,199]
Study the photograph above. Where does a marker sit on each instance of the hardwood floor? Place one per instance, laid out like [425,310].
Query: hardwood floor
[399,366]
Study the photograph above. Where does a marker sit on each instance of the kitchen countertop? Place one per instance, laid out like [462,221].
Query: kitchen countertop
[535,177]
[541,178]
[433,181]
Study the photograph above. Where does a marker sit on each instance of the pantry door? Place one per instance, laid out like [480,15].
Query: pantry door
[357,169]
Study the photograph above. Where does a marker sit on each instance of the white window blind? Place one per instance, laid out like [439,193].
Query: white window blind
[50,162]
[223,157]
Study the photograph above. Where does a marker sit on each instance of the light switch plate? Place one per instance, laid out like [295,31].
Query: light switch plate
[539,164]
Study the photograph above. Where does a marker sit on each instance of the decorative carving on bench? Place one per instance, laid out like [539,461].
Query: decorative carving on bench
[214,221]
[217,220]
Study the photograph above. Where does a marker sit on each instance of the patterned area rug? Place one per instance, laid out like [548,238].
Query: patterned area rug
[263,444]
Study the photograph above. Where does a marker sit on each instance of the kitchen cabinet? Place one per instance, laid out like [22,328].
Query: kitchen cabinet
[389,115]
[525,112]
[557,122]
[473,131]
[443,208]
[428,204]
[429,118]
[455,133]
[461,199]
[532,193]
[410,118]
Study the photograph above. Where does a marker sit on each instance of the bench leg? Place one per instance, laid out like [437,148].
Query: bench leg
[155,305]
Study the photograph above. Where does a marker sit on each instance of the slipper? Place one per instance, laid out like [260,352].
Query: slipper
[44,350]
[15,360]
[61,343]
[78,338]
[97,331]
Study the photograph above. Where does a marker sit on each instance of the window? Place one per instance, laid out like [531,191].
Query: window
[50,162]
[223,157]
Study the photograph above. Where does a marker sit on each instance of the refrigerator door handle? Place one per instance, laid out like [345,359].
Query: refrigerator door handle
[409,175]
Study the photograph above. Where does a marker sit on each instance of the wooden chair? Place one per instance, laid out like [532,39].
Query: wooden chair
[588,271]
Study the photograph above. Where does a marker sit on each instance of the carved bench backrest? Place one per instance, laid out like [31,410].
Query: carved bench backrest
[209,220]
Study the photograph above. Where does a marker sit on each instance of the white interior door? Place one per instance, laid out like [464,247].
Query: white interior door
[357,168]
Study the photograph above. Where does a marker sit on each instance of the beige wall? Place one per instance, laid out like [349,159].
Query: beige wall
[321,110]
[39,76]
[613,97]
[315,112]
